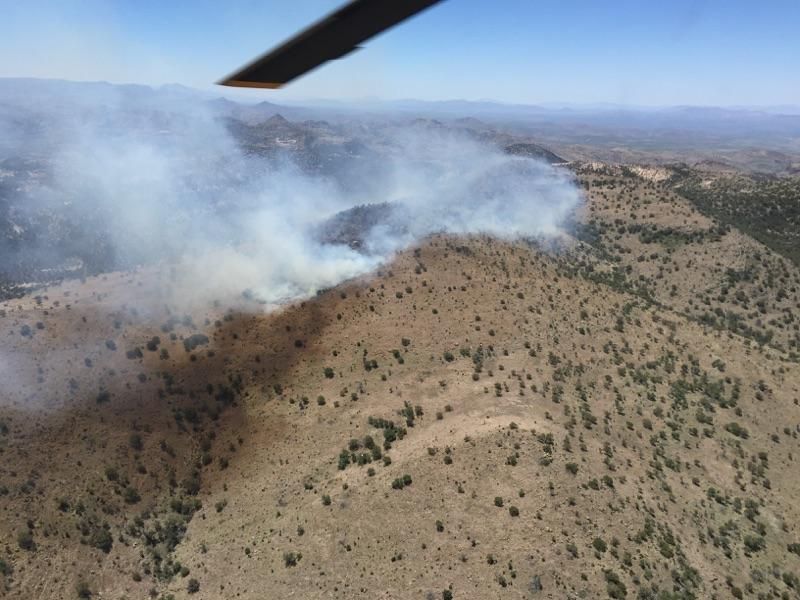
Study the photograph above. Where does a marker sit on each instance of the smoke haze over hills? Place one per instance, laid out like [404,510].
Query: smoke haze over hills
[139,177]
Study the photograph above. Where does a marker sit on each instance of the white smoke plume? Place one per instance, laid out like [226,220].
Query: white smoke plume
[171,184]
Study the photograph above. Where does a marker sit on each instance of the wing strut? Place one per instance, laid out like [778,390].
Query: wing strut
[335,36]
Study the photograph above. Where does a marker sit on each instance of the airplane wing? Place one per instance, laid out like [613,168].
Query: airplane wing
[333,37]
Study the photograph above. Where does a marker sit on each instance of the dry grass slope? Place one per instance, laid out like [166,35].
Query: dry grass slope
[479,420]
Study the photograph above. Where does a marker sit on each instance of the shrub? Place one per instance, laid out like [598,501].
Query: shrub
[344,460]
[82,589]
[513,511]
[5,568]
[401,482]
[737,430]
[191,484]
[193,341]
[290,559]
[193,586]
[498,501]
[101,539]
[112,474]
[572,467]
[754,543]
[614,587]
[25,540]
[326,500]
[131,495]
[329,372]
[136,442]
[599,545]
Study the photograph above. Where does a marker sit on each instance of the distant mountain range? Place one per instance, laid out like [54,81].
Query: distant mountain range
[31,92]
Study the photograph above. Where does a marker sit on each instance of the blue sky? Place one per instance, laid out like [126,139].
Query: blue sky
[697,52]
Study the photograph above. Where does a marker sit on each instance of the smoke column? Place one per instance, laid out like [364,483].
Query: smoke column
[168,182]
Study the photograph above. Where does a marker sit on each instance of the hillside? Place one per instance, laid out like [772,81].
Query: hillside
[662,248]
[478,419]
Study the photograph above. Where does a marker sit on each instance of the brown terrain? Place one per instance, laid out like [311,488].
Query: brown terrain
[478,419]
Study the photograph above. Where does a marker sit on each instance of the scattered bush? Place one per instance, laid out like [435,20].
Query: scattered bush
[193,341]
[754,543]
[290,559]
[401,482]
[737,430]
[131,495]
[135,442]
[614,587]
[101,539]
[25,540]
[82,589]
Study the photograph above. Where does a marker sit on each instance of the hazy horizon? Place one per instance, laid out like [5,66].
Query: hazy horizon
[257,96]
